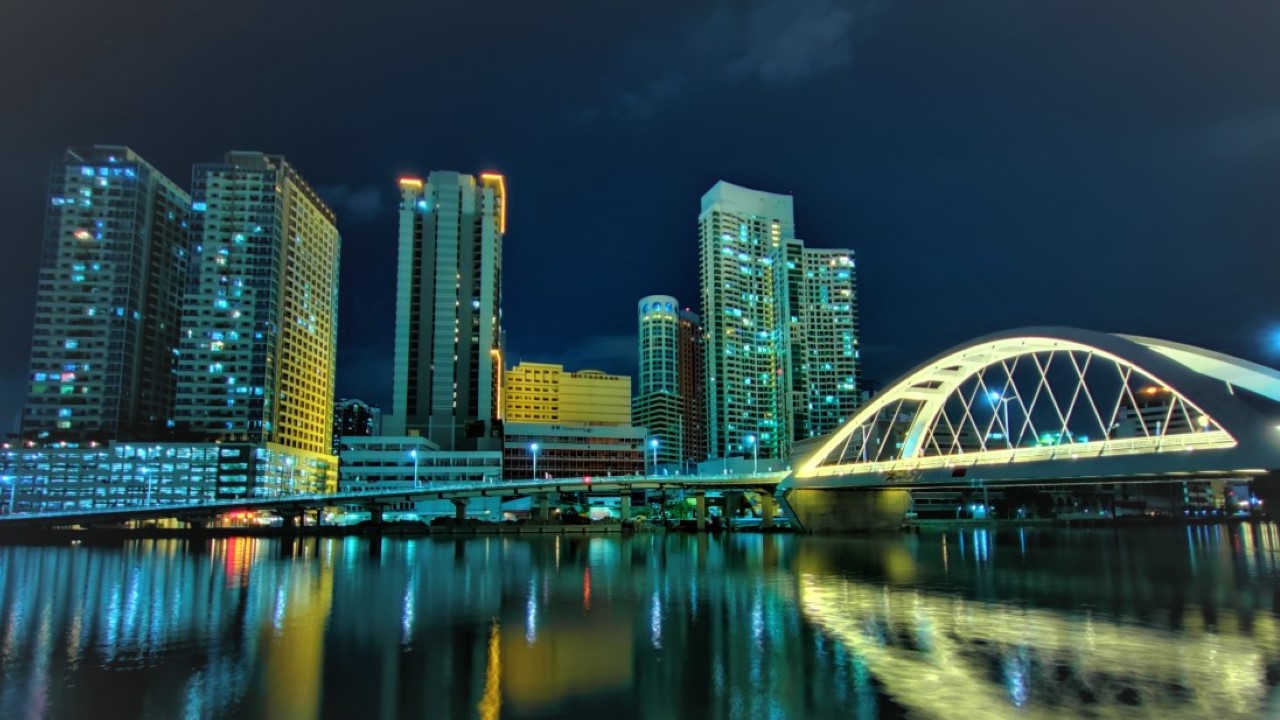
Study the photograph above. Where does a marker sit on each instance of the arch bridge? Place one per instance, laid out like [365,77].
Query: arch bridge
[1050,406]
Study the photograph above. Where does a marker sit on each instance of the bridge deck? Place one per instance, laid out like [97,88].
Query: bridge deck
[428,491]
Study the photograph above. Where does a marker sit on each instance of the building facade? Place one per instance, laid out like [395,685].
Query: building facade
[782,358]
[257,353]
[355,418]
[448,363]
[402,461]
[113,259]
[543,450]
[58,477]
[671,398]
[405,462]
[546,393]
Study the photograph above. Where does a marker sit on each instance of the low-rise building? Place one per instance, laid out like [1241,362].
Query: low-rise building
[542,450]
[66,476]
[411,461]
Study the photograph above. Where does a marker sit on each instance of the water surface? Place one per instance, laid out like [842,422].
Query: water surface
[1135,623]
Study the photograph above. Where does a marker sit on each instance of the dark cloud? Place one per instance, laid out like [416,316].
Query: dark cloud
[356,204]
[1249,136]
[774,42]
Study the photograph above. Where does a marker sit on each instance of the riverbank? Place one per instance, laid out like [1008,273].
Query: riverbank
[919,525]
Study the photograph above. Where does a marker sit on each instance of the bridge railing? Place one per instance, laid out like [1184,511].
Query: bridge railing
[425,488]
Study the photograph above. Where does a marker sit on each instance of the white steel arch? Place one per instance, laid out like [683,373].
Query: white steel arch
[1042,394]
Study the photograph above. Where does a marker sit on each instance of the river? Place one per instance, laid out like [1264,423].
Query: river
[1123,623]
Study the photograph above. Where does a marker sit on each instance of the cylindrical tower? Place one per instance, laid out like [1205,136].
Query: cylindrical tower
[659,343]
[657,405]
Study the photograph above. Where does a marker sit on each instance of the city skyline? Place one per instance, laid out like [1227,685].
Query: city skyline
[1069,164]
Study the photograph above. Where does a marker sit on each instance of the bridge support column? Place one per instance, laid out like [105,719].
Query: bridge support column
[543,511]
[701,511]
[833,511]
[459,509]
[732,503]
[288,523]
[768,506]
[624,506]
[375,516]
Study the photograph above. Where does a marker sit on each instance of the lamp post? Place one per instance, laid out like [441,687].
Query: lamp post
[414,454]
[533,448]
[13,491]
[755,452]
[289,461]
[653,444]
[1002,402]
[146,475]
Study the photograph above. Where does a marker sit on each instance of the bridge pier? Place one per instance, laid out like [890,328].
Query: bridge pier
[543,511]
[288,523]
[375,516]
[834,511]
[459,510]
[700,518]
[624,506]
[768,506]
[732,503]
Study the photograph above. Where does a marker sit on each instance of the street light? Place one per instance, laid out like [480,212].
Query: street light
[755,450]
[1002,402]
[414,454]
[533,448]
[653,443]
[292,488]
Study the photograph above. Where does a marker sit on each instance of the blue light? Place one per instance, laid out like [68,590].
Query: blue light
[200,206]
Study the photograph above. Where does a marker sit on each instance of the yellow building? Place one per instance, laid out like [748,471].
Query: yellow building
[545,393]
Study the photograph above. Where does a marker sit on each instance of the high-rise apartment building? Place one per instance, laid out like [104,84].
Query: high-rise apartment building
[691,373]
[832,368]
[671,400]
[742,241]
[545,393]
[258,346]
[448,364]
[781,326]
[107,306]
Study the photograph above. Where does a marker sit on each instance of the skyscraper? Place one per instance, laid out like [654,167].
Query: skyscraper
[258,347]
[448,363]
[781,326]
[671,399]
[742,239]
[832,368]
[111,273]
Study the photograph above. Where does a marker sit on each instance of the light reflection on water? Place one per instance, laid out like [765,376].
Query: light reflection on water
[1160,623]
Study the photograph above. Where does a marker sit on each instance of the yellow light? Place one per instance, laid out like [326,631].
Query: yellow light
[502,190]
[410,182]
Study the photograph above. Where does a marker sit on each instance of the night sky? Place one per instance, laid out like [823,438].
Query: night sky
[1109,165]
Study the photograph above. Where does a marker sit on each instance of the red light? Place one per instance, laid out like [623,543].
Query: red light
[587,479]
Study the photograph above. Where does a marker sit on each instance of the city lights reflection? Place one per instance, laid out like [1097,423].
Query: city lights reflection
[1165,624]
